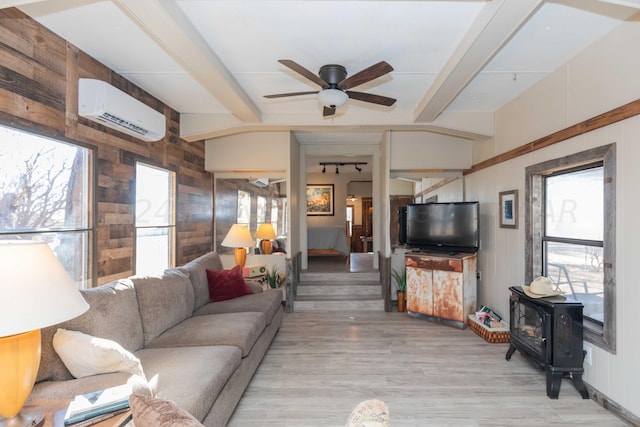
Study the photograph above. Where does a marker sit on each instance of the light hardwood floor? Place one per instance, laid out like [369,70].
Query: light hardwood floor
[321,364]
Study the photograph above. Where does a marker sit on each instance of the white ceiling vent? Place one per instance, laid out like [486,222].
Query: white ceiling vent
[111,107]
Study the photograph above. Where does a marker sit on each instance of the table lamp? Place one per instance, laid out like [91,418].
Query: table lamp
[266,233]
[239,238]
[36,292]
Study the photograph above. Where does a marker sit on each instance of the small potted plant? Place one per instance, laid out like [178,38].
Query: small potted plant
[401,284]
[274,278]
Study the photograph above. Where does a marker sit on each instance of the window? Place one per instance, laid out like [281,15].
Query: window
[274,215]
[46,194]
[284,217]
[244,208]
[571,234]
[155,219]
[261,210]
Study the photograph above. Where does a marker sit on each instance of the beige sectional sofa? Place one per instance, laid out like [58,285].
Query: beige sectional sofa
[198,354]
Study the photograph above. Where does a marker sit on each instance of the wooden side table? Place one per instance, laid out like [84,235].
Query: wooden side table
[54,410]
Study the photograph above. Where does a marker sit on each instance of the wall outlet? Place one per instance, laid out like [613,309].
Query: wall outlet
[587,354]
[479,276]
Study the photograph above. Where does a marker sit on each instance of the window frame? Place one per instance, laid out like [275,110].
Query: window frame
[90,229]
[603,336]
[172,227]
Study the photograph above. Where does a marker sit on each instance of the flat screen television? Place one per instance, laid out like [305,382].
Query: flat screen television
[446,227]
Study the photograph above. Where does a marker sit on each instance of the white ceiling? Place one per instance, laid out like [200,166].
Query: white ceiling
[455,62]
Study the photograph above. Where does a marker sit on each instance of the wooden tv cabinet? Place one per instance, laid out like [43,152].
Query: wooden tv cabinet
[441,287]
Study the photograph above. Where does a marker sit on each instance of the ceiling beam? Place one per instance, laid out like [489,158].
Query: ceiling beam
[627,3]
[498,21]
[194,127]
[15,3]
[164,22]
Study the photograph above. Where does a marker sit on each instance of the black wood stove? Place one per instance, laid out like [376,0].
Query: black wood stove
[548,333]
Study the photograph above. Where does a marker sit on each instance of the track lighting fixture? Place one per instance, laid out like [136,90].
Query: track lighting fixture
[338,164]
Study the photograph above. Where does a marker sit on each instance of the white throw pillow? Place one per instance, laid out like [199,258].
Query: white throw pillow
[84,355]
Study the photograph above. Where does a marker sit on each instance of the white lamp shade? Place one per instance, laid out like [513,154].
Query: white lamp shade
[238,237]
[333,98]
[35,289]
[265,231]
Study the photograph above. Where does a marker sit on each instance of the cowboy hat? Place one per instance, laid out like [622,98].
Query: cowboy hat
[541,287]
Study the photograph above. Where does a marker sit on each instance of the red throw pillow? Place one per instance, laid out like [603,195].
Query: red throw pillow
[226,284]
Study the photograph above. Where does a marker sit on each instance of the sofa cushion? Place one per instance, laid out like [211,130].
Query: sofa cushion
[154,412]
[164,301]
[113,315]
[196,271]
[267,302]
[237,329]
[192,377]
[226,284]
[85,355]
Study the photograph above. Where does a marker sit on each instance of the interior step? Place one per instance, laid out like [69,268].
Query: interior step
[338,303]
[339,288]
[339,294]
[372,276]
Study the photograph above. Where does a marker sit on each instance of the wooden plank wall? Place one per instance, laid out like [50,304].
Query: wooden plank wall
[39,75]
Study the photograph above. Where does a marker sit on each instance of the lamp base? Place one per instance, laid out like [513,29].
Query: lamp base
[266,247]
[32,419]
[240,255]
[20,359]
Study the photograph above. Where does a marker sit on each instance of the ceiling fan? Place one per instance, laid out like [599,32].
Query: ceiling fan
[335,84]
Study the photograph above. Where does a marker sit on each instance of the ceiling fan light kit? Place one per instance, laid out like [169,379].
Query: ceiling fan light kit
[335,84]
[333,98]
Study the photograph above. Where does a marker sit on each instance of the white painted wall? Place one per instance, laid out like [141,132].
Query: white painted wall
[451,192]
[411,150]
[398,187]
[340,183]
[293,199]
[603,77]
[382,222]
[248,151]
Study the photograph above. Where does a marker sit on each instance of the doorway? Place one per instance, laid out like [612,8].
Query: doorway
[350,175]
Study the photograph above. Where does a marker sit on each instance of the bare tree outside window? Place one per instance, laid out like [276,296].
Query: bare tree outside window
[44,195]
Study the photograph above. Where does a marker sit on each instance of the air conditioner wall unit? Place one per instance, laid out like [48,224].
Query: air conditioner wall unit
[260,182]
[111,107]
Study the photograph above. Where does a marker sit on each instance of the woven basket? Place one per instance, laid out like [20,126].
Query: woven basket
[492,335]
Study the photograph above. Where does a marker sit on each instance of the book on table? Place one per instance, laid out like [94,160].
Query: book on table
[94,404]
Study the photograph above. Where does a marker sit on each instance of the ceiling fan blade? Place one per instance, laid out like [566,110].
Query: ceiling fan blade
[368,74]
[304,72]
[328,111]
[369,97]
[282,95]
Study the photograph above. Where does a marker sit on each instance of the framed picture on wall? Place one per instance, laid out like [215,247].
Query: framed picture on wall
[320,199]
[509,209]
